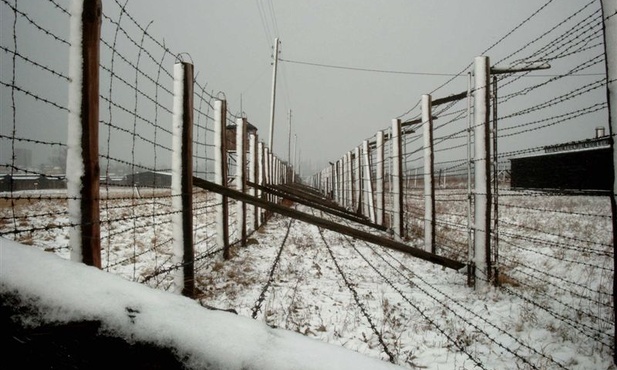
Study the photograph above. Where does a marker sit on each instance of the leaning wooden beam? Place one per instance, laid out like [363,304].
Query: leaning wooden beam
[345,230]
[315,199]
[293,198]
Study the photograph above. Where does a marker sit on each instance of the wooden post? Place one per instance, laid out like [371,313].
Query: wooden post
[220,175]
[609,8]
[397,180]
[241,176]
[429,178]
[83,132]
[182,178]
[482,178]
[380,215]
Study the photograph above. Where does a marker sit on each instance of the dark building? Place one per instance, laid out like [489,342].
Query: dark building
[154,179]
[20,181]
[584,165]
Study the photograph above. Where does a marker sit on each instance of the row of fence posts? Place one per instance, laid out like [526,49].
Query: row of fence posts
[342,180]
[350,181]
[254,161]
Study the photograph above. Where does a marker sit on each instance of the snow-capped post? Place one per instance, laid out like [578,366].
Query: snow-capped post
[379,180]
[220,175]
[182,178]
[368,181]
[241,175]
[482,174]
[429,177]
[609,9]
[397,180]
[252,177]
[82,160]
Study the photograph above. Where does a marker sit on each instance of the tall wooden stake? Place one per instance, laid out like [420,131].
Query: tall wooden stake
[609,8]
[83,129]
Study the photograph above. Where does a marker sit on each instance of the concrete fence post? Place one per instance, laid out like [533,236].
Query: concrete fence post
[397,180]
[241,166]
[220,175]
[182,178]
[482,174]
[429,176]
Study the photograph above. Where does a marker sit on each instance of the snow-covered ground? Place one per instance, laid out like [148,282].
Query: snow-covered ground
[553,310]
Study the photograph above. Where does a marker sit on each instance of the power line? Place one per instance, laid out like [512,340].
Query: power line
[368,69]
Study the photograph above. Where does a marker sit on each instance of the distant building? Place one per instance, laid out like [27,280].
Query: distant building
[152,179]
[584,165]
[25,181]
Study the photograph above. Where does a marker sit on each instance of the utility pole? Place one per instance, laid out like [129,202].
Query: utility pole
[272,106]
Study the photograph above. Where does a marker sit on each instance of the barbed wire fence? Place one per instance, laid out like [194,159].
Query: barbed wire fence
[546,243]
[135,140]
[532,255]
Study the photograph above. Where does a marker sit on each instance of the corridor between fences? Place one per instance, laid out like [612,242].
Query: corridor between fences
[155,178]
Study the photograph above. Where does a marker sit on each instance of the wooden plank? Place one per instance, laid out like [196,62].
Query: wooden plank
[345,215]
[313,198]
[317,221]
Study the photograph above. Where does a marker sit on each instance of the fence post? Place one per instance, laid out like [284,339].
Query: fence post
[429,176]
[83,133]
[220,175]
[482,175]
[609,8]
[357,180]
[241,175]
[261,180]
[368,181]
[182,178]
[252,210]
[351,202]
[470,243]
[397,180]
[379,180]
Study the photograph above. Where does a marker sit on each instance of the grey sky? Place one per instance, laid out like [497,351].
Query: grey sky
[333,109]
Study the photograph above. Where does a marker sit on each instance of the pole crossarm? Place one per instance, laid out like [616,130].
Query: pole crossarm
[319,222]
[449,99]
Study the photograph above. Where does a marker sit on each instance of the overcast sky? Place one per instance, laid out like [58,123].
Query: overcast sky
[333,109]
